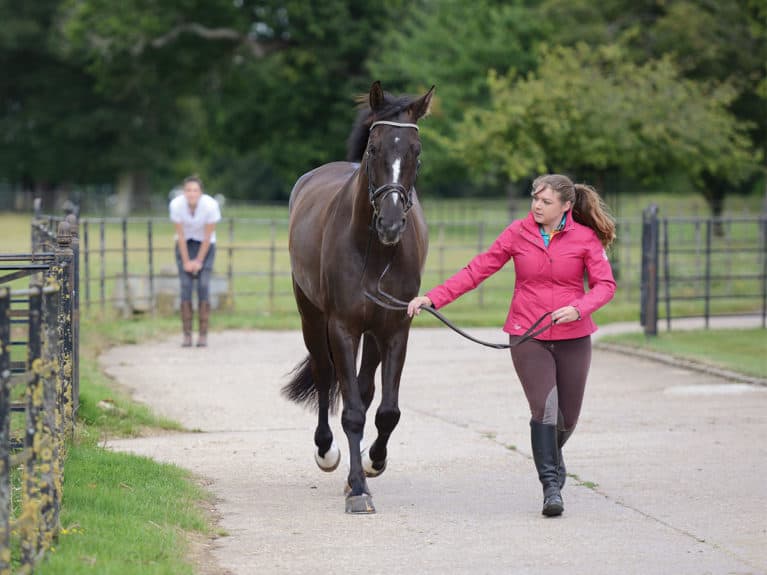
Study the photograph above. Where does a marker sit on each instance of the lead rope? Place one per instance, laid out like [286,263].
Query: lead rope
[396,304]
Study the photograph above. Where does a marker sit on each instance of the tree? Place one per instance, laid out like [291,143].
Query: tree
[709,42]
[589,112]
[253,93]
[453,44]
[52,122]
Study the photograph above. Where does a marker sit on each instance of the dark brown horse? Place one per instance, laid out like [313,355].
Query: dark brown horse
[351,226]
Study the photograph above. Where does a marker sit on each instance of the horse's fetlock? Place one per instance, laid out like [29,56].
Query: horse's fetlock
[323,439]
[387,419]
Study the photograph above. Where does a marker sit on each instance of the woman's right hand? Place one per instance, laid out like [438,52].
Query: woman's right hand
[414,307]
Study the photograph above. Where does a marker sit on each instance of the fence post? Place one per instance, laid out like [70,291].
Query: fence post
[29,521]
[150,244]
[66,350]
[230,263]
[36,225]
[86,261]
[763,227]
[649,287]
[272,262]
[74,293]
[102,265]
[126,286]
[666,275]
[49,449]
[707,284]
[5,432]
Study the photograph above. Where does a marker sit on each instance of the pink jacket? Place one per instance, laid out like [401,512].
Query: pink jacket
[546,278]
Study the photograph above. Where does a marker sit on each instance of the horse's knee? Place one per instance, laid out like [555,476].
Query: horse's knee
[353,420]
[387,419]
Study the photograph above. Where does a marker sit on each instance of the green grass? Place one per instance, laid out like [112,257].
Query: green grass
[124,515]
[121,514]
[743,351]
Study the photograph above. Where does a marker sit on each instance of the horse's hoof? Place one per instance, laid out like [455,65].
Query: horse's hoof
[360,504]
[368,467]
[331,459]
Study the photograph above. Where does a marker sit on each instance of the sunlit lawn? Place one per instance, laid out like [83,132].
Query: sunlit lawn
[743,350]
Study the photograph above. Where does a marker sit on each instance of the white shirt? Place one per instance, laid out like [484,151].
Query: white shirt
[207,212]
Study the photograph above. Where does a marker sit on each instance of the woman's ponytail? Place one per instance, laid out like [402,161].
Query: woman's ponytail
[590,210]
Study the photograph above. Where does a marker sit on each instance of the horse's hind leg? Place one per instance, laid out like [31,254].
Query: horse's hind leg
[314,327]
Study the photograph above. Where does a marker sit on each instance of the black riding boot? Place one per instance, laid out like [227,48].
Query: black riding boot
[546,456]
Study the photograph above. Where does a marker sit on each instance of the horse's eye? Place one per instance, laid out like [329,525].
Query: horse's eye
[371,151]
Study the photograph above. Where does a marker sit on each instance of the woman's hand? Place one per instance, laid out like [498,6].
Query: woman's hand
[190,267]
[414,307]
[565,314]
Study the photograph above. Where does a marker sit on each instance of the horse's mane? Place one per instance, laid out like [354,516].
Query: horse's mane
[358,139]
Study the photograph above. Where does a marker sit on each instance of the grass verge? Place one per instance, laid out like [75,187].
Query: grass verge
[741,350]
[122,514]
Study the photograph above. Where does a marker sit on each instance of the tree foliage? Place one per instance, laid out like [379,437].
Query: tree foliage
[453,44]
[591,111]
[252,93]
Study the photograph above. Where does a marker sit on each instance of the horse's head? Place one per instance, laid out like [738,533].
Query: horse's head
[391,159]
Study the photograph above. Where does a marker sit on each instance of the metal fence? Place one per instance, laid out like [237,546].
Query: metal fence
[38,354]
[702,267]
[128,264]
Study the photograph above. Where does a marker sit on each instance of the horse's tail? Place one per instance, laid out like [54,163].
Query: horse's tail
[302,388]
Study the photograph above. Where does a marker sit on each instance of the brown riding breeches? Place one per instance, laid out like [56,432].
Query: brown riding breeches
[553,375]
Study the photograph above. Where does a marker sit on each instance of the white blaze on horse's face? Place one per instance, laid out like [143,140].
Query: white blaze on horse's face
[395,170]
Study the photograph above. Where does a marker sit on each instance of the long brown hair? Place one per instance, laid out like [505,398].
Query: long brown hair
[588,207]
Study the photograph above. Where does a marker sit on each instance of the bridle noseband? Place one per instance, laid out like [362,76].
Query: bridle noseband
[379,193]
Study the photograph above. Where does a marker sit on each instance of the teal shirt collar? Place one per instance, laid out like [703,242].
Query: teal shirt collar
[547,237]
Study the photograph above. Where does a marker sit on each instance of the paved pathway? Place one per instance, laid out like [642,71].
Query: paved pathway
[670,464]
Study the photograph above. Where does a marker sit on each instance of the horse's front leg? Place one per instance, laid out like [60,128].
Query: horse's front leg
[388,413]
[344,345]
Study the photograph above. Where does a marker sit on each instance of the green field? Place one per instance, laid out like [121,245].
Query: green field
[252,256]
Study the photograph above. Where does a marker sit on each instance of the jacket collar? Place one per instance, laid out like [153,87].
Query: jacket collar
[529,223]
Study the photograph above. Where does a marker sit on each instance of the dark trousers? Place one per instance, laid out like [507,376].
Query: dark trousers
[202,277]
[553,376]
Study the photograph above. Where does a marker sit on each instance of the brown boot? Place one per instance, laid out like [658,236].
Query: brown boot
[186,323]
[204,312]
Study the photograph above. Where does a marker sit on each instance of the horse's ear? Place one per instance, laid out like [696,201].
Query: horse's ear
[376,96]
[422,105]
